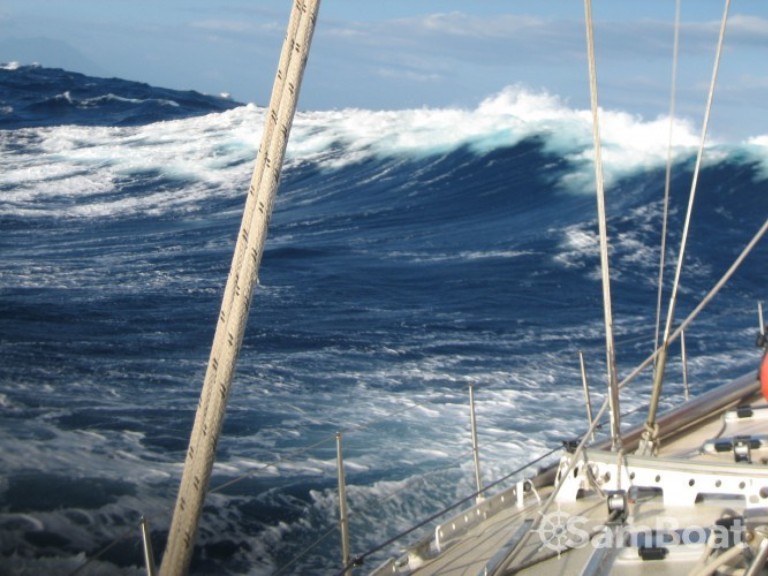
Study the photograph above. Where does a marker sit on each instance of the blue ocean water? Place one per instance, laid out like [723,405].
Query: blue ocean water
[411,253]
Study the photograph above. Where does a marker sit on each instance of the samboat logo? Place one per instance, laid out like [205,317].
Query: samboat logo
[560,531]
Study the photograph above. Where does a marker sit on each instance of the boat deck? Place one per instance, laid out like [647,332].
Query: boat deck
[704,499]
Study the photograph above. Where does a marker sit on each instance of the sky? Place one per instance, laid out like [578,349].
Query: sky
[397,54]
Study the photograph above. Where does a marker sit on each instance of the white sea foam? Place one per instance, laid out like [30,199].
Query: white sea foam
[98,100]
[756,149]
[85,166]
[578,244]
[629,142]
[458,256]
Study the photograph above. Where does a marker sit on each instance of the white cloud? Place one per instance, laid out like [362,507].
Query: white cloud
[741,24]
[236,26]
[459,24]
[413,75]
[223,25]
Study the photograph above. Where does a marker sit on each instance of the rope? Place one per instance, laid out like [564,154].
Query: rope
[238,291]
[668,176]
[240,247]
[604,264]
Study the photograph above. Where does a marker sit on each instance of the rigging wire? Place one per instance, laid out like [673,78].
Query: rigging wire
[610,353]
[596,425]
[711,294]
[331,438]
[649,442]
[704,301]
[306,550]
[358,560]
[668,175]
[88,561]
[293,454]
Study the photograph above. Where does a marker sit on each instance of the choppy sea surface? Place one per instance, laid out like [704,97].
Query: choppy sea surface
[411,254]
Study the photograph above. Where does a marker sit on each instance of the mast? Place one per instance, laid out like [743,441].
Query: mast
[243,275]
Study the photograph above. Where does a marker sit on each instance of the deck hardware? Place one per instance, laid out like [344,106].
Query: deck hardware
[521,488]
[571,445]
[684,360]
[760,558]
[149,555]
[343,517]
[653,552]
[731,444]
[734,528]
[744,412]
[520,493]
[742,449]
[587,396]
[475,450]
[618,508]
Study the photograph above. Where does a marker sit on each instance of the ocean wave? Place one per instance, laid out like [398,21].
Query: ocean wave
[412,253]
[192,159]
[213,153]
[34,96]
